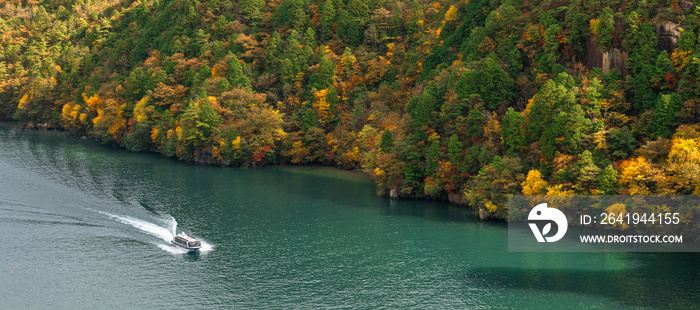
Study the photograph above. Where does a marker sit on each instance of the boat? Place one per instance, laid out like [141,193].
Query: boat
[187,242]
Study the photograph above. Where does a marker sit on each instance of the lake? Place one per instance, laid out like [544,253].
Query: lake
[87,226]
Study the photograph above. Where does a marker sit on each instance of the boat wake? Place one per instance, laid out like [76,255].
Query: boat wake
[206,248]
[165,231]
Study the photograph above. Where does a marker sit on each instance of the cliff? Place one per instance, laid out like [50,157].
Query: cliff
[606,60]
[667,35]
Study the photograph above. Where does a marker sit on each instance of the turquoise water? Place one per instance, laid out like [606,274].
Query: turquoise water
[87,226]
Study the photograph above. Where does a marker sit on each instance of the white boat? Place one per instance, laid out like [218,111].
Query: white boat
[187,242]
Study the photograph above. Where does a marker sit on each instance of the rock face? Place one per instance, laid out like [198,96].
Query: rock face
[457,198]
[686,4]
[608,60]
[667,34]
[204,157]
[483,215]
[393,193]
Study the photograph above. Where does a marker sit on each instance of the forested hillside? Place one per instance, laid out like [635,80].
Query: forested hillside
[466,100]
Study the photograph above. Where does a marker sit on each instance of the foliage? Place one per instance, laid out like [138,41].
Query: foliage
[451,99]
[534,184]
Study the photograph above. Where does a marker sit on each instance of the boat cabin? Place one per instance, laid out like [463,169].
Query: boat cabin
[187,241]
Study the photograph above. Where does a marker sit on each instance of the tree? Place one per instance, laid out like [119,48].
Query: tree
[577,20]
[308,119]
[641,86]
[433,156]
[139,139]
[202,41]
[639,177]
[139,82]
[352,21]
[328,16]
[476,119]
[295,52]
[587,172]
[454,150]
[641,40]
[566,132]
[234,73]
[287,72]
[415,22]
[605,29]
[608,181]
[549,58]
[387,141]
[665,120]
[534,184]
[684,150]
[554,115]
[309,39]
[420,109]
[109,124]
[488,191]
[35,56]
[621,142]
[323,78]
[198,122]
[322,107]
[299,18]
[490,82]
[272,51]
[683,161]
[513,133]
[261,125]
[253,10]
[222,85]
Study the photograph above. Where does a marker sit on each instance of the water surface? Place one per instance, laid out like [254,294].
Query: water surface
[87,226]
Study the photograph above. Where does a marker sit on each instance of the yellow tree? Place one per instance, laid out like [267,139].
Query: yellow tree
[451,14]
[110,124]
[94,102]
[321,106]
[684,151]
[639,177]
[684,161]
[143,110]
[71,116]
[297,151]
[534,184]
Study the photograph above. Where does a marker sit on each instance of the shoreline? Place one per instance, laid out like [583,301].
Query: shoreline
[358,172]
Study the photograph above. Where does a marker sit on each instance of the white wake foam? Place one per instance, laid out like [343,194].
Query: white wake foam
[145,226]
[206,246]
[171,249]
[165,233]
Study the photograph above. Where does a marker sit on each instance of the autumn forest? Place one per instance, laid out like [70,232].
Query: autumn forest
[467,101]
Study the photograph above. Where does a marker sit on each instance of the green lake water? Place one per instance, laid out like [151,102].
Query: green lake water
[87,226]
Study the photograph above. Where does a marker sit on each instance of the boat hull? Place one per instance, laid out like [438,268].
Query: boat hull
[190,249]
